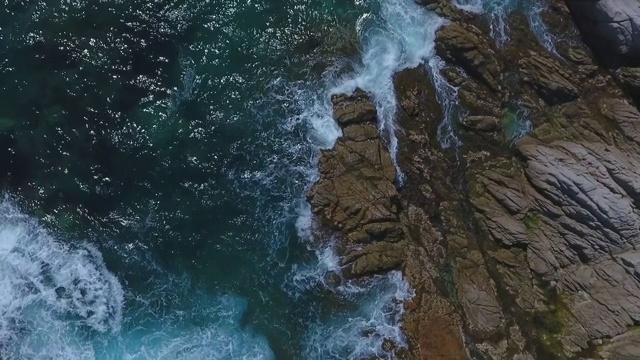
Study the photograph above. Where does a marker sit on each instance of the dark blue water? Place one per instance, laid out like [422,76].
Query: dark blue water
[155,158]
[163,151]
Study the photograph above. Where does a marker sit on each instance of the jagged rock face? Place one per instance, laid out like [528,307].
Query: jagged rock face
[610,27]
[574,208]
[540,261]
[467,46]
[356,193]
[630,79]
[549,78]
[625,116]
[550,254]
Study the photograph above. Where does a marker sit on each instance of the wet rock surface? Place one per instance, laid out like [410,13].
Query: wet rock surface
[356,194]
[467,46]
[520,249]
[538,241]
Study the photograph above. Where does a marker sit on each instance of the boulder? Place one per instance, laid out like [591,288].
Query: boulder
[549,78]
[481,123]
[466,46]
[356,193]
[610,27]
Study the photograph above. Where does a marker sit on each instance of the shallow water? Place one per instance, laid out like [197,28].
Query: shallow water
[158,158]
[515,119]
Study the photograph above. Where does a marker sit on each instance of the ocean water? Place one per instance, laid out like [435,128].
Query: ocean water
[156,157]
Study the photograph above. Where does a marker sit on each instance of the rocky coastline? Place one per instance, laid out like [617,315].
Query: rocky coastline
[522,249]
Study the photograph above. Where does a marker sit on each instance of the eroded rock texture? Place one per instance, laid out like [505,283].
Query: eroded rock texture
[522,249]
[611,27]
[538,239]
[356,193]
[571,210]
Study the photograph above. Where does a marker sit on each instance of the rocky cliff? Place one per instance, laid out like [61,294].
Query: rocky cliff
[610,27]
[522,249]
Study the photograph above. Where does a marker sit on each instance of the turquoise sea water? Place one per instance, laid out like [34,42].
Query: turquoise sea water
[163,151]
[155,158]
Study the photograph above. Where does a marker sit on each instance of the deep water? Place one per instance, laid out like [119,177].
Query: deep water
[155,158]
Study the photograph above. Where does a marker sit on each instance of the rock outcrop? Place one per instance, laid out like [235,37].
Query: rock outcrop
[538,241]
[356,193]
[610,27]
[522,249]
[467,46]
[571,210]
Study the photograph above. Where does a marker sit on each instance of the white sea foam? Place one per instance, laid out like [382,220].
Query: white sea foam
[447,96]
[361,333]
[399,35]
[59,301]
[50,292]
[207,328]
[473,6]
[498,12]
[539,28]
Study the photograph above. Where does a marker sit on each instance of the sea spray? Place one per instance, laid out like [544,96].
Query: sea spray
[362,334]
[539,28]
[218,181]
[60,301]
[218,334]
[498,12]
[399,35]
[447,96]
[50,291]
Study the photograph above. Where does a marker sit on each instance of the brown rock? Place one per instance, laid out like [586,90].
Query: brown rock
[575,210]
[548,78]
[481,123]
[373,259]
[356,193]
[466,46]
[355,108]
